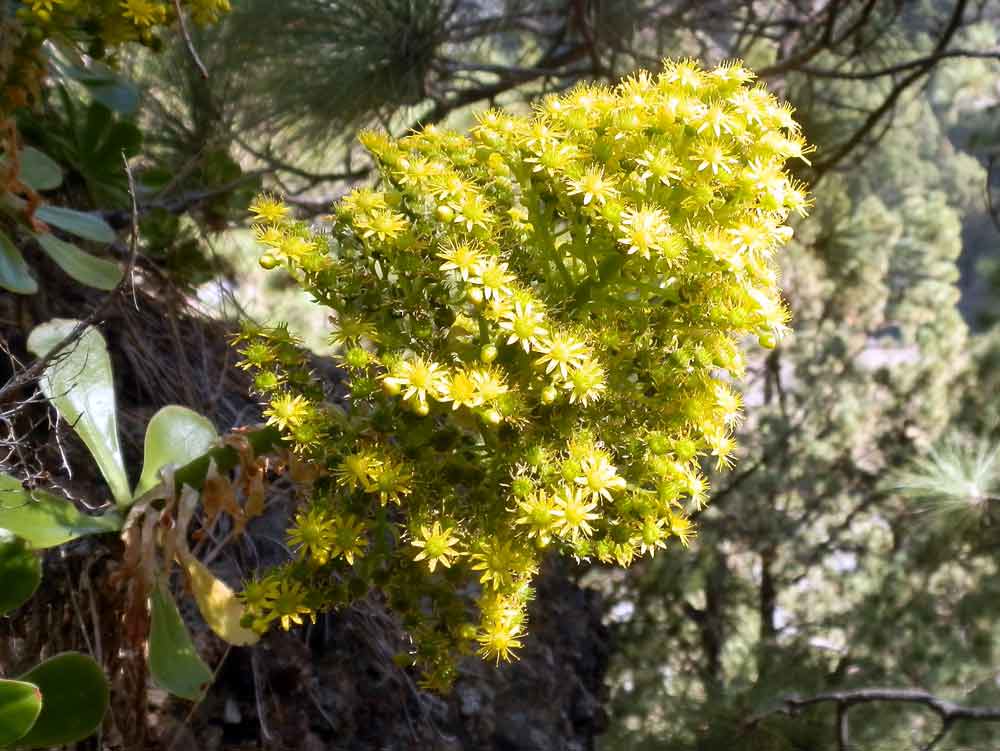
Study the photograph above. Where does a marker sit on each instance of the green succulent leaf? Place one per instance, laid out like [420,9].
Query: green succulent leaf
[20,705]
[175,436]
[45,520]
[39,171]
[20,572]
[116,94]
[14,273]
[82,266]
[74,700]
[173,661]
[87,226]
[106,86]
[79,384]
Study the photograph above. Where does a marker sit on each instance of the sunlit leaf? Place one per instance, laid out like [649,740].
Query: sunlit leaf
[74,700]
[20,705]
[82,266]
[175,436]
[20,571]
[14,274]
[87,226]
[78,383]
[173,661]
[44,520]
[218,604]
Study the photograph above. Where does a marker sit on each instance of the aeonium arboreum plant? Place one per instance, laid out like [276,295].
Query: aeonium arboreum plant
[539,321]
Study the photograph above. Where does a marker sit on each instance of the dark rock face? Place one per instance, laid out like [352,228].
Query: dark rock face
[551,698]
[339,688]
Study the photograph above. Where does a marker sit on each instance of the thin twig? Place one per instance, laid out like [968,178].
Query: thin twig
[194,707]
[843,727]
[79,614]
[95,619]
[258,690]
[133,230]
[188,42]
[945,727]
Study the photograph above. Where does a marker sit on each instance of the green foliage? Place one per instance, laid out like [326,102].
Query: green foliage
[74,699]
[103,84]
[91,141]
[37,170]
[64,698]
[380,50]
[77,139]
[87,269]
[534,319]
[79,223]
[20,571]
[59,701]
[45,520]
[20,705]
[173,661]
[78,382]
[174,436]
[813,570]
[957,482]
[15,276]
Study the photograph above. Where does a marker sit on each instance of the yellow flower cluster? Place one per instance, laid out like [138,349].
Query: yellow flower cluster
[96,26]
[539,321]
[115,21]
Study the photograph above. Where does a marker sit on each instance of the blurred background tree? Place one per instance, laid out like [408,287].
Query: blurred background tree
[832,558]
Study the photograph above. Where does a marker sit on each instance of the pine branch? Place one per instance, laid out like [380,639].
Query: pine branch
[947,711]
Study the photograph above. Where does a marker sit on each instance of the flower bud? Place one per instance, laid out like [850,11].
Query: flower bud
[492,416]
[488,353]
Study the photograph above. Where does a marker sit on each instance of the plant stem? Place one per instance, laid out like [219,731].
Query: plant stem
[194,472]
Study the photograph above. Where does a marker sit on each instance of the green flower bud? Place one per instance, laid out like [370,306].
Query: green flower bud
[268,261]
[357,358]
[658,443]
[521,487]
